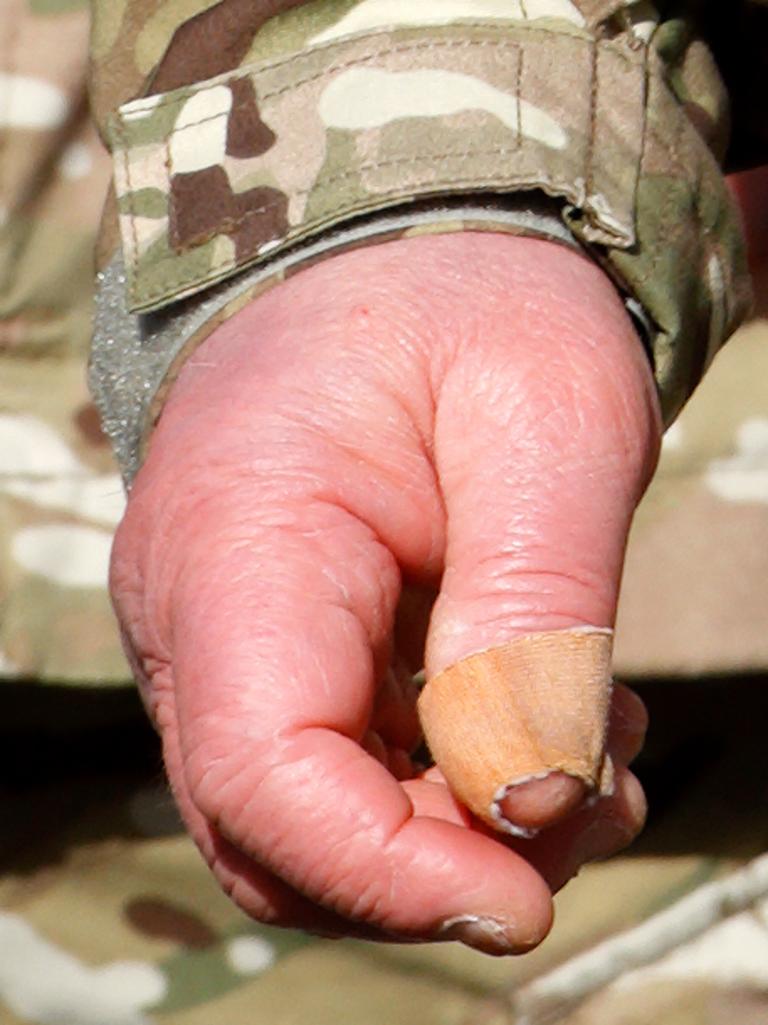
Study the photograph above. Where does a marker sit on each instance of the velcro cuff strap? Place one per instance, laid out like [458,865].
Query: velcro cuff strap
[224,174]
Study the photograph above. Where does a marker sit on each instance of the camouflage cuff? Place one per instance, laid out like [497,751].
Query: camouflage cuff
[256,165]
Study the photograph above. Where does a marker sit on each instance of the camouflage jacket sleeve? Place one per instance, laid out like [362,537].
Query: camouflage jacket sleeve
[250,137]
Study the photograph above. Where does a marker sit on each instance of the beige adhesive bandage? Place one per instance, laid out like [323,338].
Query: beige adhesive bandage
[513,714]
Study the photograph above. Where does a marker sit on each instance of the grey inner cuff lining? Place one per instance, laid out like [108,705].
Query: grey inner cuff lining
[131,353]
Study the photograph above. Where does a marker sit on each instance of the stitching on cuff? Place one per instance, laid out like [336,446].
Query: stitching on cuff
[332,69]
[262,66]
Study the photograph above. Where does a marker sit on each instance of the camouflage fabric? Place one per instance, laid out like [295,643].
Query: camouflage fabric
[109,917]
[344,143]
[240,130]
[694,597]
[60,495]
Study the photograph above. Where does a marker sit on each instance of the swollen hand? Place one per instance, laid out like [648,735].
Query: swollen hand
[437,445]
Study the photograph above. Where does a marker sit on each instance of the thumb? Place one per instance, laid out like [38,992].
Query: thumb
[546,434]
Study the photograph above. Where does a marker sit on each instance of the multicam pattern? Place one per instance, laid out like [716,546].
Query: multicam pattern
[211,178]
[60,495]
[111,918]
[694,597]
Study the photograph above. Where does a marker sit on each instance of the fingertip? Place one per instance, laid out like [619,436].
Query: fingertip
[485,895]
[628,724]
[524,809]
[492,936]
[597,831]
[633,802]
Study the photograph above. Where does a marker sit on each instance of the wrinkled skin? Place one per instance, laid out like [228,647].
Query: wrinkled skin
[468,416]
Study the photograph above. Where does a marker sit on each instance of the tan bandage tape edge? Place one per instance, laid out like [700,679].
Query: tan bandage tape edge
[491,720]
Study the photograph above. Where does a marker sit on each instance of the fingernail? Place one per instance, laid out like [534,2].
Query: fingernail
[524,808]
[485,934]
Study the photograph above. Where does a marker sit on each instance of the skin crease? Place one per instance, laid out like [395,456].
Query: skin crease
[470,413]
